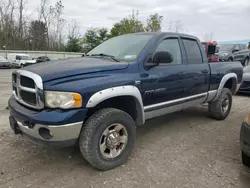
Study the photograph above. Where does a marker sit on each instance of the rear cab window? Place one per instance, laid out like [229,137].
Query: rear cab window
[193,51]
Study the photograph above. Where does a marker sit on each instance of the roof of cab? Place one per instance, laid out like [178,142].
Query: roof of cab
[165,33]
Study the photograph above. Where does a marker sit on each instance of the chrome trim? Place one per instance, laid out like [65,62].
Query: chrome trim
[38,88]
[211,95]
[175,108]
[27,89]
[223,82]
[176,100]
[37,79]
[22,102]
[127,90]
[59,132]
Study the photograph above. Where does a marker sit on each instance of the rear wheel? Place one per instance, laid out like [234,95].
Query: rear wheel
[107,138]
[220,108]
[230,59]
[245,159]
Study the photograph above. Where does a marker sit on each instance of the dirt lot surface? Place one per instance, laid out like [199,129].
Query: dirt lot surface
[184,149]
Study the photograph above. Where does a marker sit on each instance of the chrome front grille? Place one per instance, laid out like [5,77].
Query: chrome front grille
[28,89]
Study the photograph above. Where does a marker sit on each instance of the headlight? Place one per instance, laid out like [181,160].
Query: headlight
[225,54]
[64,100]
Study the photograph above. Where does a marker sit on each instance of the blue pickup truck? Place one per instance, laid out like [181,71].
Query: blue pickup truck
[97,101]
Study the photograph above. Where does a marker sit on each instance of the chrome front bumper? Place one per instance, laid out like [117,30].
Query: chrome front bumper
[58,133]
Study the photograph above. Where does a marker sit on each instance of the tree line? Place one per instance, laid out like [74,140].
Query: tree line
[19,30]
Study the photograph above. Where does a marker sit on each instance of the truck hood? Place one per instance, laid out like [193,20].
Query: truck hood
[52,70]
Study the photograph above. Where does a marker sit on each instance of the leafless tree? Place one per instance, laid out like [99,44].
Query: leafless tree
[73,29]
[175,26]
[208,36]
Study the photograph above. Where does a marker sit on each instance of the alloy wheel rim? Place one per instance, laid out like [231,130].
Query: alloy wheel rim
[225,104]
[113,140]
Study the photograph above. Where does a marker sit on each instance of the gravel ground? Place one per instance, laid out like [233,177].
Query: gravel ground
[184,149]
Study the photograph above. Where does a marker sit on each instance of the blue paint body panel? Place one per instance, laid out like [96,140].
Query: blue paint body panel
[87,76]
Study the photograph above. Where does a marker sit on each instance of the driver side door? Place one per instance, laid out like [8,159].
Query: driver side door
[165,82]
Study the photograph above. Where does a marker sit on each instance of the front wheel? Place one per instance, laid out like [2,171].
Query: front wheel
[107,138]
[220,108]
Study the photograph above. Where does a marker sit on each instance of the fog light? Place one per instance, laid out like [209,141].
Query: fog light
[45,133]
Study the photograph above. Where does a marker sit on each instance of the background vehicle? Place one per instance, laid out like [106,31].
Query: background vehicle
[97,100]
[234,52]
[211,49]
[45,58]
[242,54]
[245,87]
[4,63]
[20,60]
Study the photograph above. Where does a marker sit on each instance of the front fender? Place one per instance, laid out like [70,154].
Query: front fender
[127,90]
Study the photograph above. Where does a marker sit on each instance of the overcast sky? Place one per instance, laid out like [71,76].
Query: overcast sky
[227,19]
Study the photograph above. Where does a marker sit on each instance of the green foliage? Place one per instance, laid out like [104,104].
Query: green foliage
[94,37]
[127,25]
[38,35]
[154,23]
[73,45]
[130,24]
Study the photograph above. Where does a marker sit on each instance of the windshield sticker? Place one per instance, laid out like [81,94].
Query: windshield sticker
[130,56]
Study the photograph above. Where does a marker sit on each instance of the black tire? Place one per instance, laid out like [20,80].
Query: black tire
[245,159]
[216,107]
[230,59]
[92,132]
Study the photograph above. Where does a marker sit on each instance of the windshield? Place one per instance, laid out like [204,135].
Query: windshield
[25,58]
[123,48]
[225,47]
[246,69]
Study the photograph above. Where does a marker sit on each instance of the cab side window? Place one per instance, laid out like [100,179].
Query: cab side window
[243,47]
[237,47]
[172,46]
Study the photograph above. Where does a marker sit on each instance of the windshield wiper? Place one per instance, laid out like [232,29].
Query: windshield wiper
[104,55]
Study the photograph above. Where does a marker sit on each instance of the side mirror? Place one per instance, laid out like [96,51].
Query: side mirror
[162,57]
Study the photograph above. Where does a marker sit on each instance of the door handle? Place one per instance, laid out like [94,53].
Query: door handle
[204,71]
